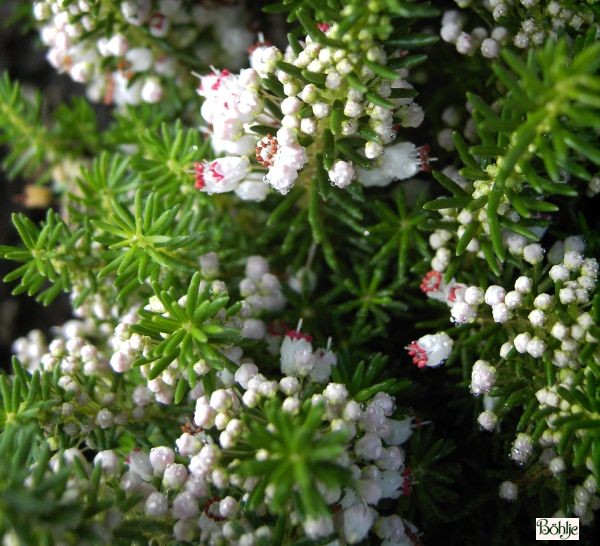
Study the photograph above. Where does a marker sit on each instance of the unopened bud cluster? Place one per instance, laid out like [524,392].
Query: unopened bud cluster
[550,325]
[444,241]
[523,23]
[272,120]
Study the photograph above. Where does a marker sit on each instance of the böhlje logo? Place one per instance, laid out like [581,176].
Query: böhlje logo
[557,528]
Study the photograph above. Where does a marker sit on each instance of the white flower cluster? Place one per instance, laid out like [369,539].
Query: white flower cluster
[444,241]
[235,103]
[550,325]
[261,292]
[132,64]
[468,43]
[76,353]
[203,493]
[533,31]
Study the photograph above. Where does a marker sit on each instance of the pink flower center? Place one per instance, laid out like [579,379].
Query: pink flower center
[220,76]
[213,169]
[452,293]
[323,27]
[277,328]
[418,354]
[431,282]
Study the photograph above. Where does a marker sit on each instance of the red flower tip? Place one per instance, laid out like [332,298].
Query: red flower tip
[431,282]
[199,175]
[295,334]
[418,354]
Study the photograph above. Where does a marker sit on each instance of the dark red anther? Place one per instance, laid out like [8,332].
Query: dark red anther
[424,157]
[207,506]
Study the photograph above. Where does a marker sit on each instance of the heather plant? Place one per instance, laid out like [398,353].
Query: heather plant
[332,271]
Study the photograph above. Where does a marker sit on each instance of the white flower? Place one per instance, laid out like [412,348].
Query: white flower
[263,59]
[358,520]
[108,460]
[396,432]
[336,393]
[536,347]
[431,350]
[508,491]
[487,420]
[533,254]
[117,45]
[139,464]
[398,162]
[520,342]
[160,458]
[175,475]
[188,444]
[573,260]
[185,506]
[494,294]
[482,377]
[222,174]
[156,505]
[342,173]
[500,312]
[151,91]
[523,285]
[318,528]
[296,354]
[463,313]
[522,448]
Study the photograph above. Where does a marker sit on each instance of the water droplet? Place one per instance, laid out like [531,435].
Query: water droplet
[366,233]
[194,148]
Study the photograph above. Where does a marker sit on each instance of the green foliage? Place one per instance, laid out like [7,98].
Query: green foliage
[432,475]
[540,134]
[164,159]
[189,331]
[150,237]
[299,453]
[21,126]
[51,255]
[367,378]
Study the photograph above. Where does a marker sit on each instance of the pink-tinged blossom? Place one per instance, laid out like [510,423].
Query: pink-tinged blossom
[221,175]
[431,350]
